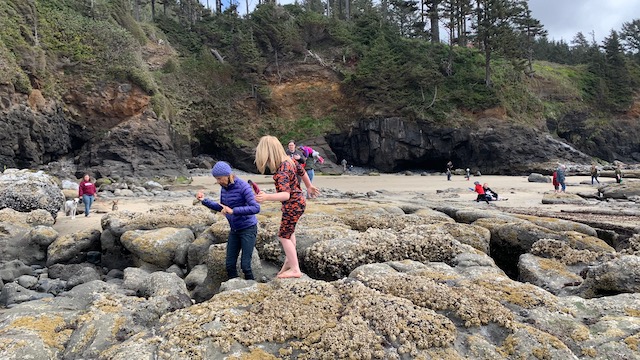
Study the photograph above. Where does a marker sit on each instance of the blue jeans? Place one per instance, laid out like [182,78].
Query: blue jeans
[310,172]
[87,200]
[244,240]
[563,185]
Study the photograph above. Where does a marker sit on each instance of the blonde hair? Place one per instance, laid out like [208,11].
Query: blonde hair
[270,153]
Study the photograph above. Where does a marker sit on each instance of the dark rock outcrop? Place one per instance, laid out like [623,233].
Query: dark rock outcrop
[141,147]
[395,144]
[25,191]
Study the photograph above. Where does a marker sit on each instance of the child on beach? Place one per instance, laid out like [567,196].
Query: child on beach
[556,184]
[271,154]
[480,190]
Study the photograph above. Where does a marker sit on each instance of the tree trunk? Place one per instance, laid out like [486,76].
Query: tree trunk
[136,10]
[347,5]
[487,64]
[153,9]
[433,19]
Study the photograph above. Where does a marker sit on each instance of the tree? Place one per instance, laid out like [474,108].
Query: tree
[404,15]
[494,32]
[457,13]
[630,36]
[530,29]
[617,75]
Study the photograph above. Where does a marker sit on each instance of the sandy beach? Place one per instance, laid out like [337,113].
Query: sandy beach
[519,192]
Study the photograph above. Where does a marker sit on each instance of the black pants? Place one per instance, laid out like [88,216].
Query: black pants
[482,197]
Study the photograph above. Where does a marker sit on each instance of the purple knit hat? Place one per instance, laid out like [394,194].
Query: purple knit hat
[221,168]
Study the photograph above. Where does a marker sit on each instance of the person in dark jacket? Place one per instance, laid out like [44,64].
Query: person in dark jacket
[561,174]
[87,192]
[238,204]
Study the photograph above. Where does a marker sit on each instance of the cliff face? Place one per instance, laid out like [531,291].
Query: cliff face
[107,130]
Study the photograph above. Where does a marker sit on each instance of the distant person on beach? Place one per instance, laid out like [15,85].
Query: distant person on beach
[556,184]
[480,191]
[468,174]
[270,154]
[561,175]
[312,157]
[344,165]
[618,173]
[594,174]
[87,192]
[295,153]
[239,206]
[449,169]
[488,193]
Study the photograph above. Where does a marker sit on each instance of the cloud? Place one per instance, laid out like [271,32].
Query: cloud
[563,19]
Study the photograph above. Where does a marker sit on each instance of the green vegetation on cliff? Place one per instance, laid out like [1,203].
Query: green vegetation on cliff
[226,82]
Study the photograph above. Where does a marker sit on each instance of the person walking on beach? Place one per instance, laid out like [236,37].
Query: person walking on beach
[344,165]
[270,154]
[239,206]
[556,184]
[468,174]
[87,192]
[618,173]
[561,175]
[594,174]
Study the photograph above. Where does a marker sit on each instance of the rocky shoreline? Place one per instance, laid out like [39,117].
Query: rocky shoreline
[387,277]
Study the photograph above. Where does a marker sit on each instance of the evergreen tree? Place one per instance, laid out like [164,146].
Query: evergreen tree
[404,15]
[617,75]
[529,29]
[494,30]
[630,36]
[457,13]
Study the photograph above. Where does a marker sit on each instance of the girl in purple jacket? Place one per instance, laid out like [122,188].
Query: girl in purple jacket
[238,204]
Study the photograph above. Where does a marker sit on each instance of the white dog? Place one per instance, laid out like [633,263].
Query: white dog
[71,207]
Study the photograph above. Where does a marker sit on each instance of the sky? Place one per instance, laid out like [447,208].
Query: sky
[564,18]
[561,18]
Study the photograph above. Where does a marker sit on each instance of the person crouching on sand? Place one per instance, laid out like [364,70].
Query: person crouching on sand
[271,154]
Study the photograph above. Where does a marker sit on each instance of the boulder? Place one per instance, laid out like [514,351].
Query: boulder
[621,275]
[162,247]
[217,272]
[73,248]
[538,178]
[563,198]
[13,269]
[24,191]
[549,274]
[624,190]
[196,276]
[12,293]
[22,241]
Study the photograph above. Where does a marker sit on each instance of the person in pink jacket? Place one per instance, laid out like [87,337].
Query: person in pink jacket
[87,192]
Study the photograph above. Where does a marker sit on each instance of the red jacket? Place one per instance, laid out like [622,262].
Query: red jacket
[479,189]
[86,188]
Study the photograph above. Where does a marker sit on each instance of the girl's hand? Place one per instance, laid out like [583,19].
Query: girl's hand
[313,192]
[200,196]
[226,210]
[261,197]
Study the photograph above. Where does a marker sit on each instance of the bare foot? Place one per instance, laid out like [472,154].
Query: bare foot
[290,274]
[285,267]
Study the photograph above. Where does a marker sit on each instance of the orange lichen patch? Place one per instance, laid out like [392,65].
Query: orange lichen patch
[11,345]
[632,312]
[255,354]
[524,295]
[557,267]
[591,352]
[633,342]
[581,333]
[46,326]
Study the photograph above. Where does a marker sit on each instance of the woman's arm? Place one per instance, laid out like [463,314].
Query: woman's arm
[251,207]
[279,196]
